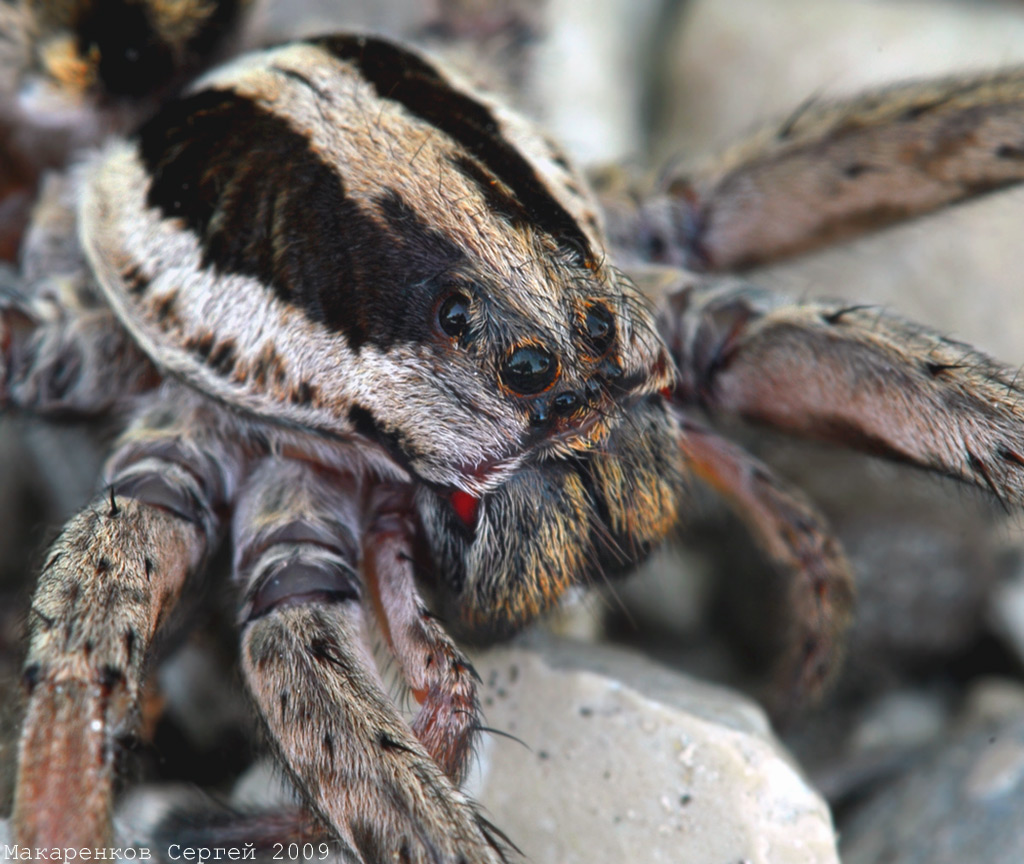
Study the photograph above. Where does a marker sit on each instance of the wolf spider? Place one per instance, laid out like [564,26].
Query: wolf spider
[439,385]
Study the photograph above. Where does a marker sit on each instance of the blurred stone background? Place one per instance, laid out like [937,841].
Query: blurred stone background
[920,748]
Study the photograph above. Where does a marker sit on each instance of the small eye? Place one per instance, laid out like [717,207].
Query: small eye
[599,327]
[529,370]
[453,316]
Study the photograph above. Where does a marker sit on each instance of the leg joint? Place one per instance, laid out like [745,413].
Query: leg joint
[301,578]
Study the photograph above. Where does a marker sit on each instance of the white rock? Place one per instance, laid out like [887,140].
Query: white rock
[624,760]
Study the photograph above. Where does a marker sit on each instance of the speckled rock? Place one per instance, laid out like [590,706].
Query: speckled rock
[623,760]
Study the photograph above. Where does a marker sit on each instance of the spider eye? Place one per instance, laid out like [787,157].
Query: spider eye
[453,316]
[529,370]
[599,327]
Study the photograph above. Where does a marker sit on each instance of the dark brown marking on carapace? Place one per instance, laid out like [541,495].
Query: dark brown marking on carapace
[304,394]
[164,310]
[398,445]
[268,368]
[407,79]
[135,281]
[201,344]
[497,195]
[219,356]
[265,204]
[222,358]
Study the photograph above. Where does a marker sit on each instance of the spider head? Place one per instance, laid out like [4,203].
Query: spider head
[568,345]
[514,361]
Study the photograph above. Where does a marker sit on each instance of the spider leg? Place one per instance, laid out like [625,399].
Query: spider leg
[315,684]
[797,539]
[851,375]
[61,358]
[833,170]
[108,583]
[442,680]
[62,351]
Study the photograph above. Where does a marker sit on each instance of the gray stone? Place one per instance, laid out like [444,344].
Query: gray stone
[614,759]
[1006,612]
[624,760]
[965,804]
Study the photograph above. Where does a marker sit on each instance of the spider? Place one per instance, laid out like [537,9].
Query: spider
[365,326]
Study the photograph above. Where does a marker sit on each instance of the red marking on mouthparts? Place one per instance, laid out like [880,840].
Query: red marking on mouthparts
[465,506]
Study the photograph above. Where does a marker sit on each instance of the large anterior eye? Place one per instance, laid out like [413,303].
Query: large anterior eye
[529,370]
[453,315]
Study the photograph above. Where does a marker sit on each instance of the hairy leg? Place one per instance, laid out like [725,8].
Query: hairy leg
[314,682]
[851,375]
[833,170]
[442,680]
[796,538]
[108,584]
[62,351]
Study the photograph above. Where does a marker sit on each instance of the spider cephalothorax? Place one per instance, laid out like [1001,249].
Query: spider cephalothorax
[299,207]
[364,325]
